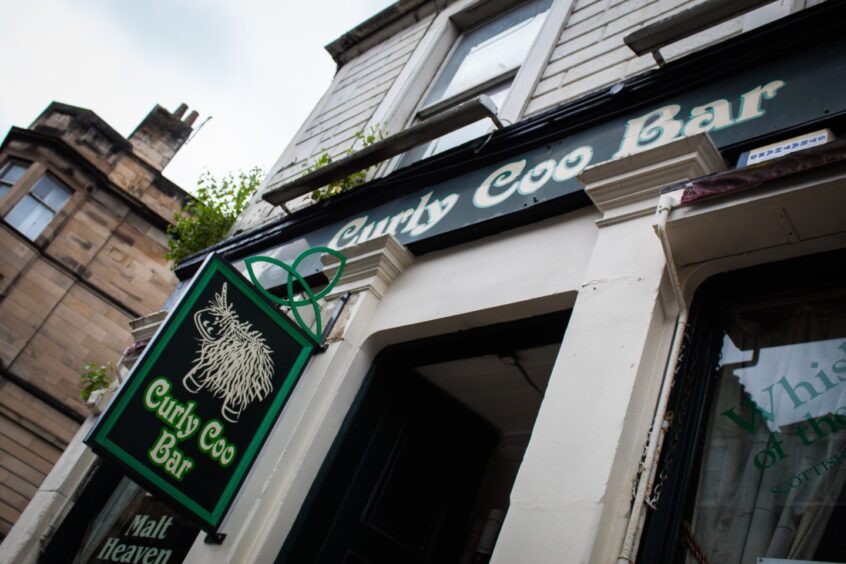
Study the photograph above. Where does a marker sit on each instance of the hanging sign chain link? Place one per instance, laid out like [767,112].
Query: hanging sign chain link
[673,422]
[641,466]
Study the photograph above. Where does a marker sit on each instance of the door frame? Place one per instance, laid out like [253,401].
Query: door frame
[509,336]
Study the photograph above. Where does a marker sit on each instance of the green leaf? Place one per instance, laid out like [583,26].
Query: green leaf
[365,138]
[206,219]
[94,378]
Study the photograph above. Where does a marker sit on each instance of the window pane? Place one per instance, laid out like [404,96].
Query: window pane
[114,521]
[774,466]
[491,49]
[3,191]
[30,217]
[51,192]
[12,172]
[459,136]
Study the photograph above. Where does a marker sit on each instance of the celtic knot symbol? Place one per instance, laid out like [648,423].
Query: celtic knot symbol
[291,301]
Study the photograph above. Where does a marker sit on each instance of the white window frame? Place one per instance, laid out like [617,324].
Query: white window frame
[403,101]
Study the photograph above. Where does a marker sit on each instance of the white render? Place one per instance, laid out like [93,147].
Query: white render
[379,315]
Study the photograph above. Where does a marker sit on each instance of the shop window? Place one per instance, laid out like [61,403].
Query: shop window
[484,60]
[38,207]
[10,173]
[755,466]
[115,520]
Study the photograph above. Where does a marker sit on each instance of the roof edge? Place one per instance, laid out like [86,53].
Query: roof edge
[51,138]
[90,115]
[377,28]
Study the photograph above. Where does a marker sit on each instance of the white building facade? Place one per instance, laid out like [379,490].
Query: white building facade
[613,330]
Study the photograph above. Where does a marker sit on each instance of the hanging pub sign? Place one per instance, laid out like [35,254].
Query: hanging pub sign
[200,402]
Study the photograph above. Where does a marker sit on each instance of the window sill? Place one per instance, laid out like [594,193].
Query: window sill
[446,122]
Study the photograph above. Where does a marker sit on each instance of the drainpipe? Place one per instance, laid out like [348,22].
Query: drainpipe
[659,424]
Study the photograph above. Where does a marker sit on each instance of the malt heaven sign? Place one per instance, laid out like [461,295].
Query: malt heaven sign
[191,418]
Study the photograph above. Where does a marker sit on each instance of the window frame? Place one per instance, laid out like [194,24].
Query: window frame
[53,210]
[462,26]
[438,43]
[24,187]
[433,109]
[697,382]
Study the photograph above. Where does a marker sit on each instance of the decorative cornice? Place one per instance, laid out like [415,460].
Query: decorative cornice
[629,187]
[371,265]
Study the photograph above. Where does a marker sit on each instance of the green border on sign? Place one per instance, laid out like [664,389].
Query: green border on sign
[99,436]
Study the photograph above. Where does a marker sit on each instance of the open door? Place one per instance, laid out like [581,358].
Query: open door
[402,483]
[429,449]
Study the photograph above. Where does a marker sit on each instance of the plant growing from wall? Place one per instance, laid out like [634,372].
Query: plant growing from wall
[364,139]
[207,218]
[94,378]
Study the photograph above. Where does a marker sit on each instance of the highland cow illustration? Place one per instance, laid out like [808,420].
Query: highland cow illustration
[233,361]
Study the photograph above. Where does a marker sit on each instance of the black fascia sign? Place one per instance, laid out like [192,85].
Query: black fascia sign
[781,94]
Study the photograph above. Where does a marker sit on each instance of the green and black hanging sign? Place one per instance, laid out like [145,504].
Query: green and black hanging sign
[190,419]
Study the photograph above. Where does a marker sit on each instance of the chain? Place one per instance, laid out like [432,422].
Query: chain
[641,466]
[657,486]
[672,421]
[690,543]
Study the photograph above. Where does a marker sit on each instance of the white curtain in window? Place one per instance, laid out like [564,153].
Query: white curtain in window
[771,477]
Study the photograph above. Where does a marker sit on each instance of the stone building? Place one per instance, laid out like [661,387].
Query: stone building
[82,242]
[593,306]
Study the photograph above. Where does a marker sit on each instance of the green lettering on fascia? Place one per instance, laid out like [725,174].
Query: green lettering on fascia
[413,222]
[516,178]
[663,125]
[513,178]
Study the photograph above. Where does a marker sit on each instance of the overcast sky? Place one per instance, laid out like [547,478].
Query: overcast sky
[256,66]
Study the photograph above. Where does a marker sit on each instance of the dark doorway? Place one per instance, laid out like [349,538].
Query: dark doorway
[404,481]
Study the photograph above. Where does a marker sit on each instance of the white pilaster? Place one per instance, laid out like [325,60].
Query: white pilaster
[572,495]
